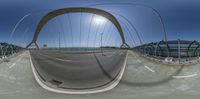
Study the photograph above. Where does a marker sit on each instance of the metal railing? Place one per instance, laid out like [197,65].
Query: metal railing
[7,50]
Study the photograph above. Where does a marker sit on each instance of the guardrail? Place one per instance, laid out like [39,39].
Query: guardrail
[7,50]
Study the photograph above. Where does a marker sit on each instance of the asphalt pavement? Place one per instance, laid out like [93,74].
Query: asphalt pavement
[142,79]
[78,71]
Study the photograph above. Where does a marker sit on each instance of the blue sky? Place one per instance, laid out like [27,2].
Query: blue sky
[181,19]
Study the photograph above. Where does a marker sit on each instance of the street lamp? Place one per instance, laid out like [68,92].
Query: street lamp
[101,42]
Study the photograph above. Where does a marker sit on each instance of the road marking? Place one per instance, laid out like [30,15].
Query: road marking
[63,60]
[149,69]
[56,58]
[12,65]
[15,63]
[187,76]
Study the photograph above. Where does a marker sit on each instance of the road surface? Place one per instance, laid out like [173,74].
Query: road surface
[59,69]
[138,82]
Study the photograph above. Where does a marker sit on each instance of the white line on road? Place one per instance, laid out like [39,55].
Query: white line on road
[187,76]
[56,58]
[63,60]
[15,63]
[149,69]
[12,65]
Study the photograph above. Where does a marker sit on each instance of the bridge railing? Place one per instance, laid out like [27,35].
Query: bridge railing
[7,50]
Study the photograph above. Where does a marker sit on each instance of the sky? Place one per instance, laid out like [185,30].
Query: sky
[181,20]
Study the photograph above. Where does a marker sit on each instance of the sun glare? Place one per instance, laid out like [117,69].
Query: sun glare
[99,20]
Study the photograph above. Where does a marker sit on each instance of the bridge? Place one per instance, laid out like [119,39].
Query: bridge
[96,59]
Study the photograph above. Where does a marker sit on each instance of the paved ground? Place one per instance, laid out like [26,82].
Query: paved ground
[143,79]
[78,71]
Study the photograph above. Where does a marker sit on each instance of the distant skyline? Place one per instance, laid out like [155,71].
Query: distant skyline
[181,19]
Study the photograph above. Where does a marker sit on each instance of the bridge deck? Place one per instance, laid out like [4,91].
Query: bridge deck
[17,81]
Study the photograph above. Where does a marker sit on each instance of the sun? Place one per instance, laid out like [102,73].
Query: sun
[99,20]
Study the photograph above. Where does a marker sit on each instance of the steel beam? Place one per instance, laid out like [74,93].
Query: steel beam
[58,12]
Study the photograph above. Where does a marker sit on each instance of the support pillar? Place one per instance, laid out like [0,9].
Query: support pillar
[37,47]
[124,46]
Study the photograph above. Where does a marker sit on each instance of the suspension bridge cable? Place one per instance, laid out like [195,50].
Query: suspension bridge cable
[103,30]
[80,28]
[109,36]
[90,25]
[97,30]
[140,39]
[63,31]
[96,36]
[25,32]
[131,36]
[128,32]
[55,27]
[109,28]
[16,25]
[156,12]
[111,39]
[31,26]
[55,40]
[70,26]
